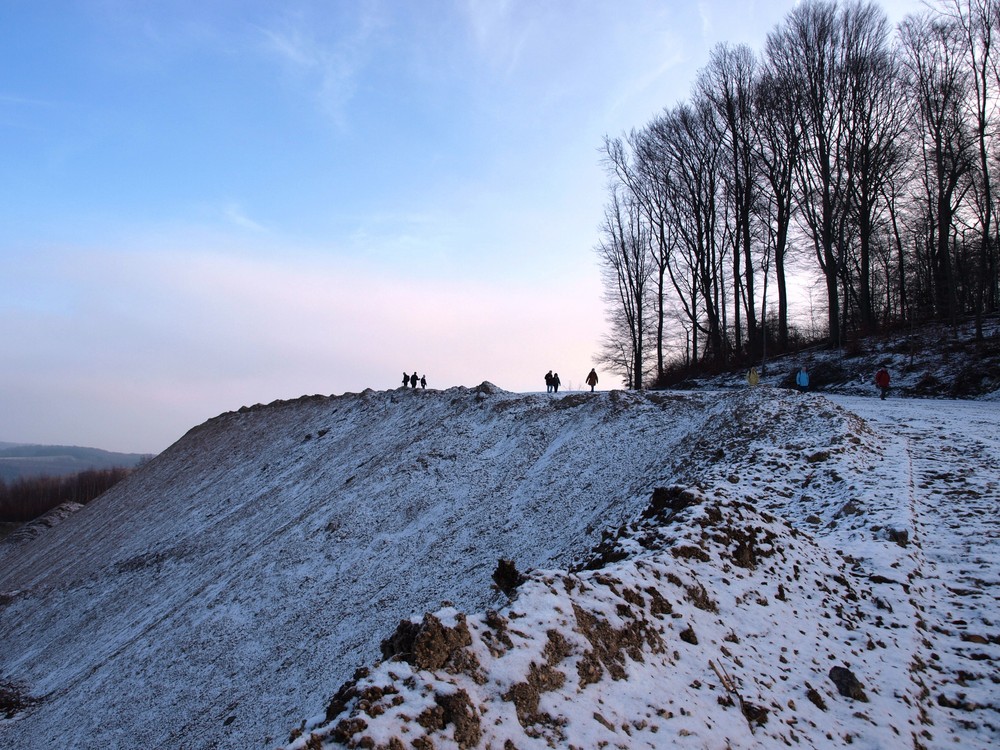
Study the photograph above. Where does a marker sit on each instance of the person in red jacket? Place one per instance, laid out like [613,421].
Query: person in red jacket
[882,381]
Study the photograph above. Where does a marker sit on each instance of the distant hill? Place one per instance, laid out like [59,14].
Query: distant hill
[18,461]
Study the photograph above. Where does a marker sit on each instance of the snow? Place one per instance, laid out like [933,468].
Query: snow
[225,593]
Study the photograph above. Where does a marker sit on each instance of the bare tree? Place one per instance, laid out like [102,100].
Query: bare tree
[635,163]
[978,21]
[688,153]
[939,80]
[727,83]
[875,121]
[807,51]
[778,135]
[624,255]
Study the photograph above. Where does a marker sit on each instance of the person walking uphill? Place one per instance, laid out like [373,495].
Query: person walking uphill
[555,382]
[802,380]
[592,379]
[882,381]
[414,379]
[548,382]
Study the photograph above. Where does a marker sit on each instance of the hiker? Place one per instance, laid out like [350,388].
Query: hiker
[414,379]
[548,382]
[592,379]
[882,381]
[423,381]
[802,380]
[406,380]
[555,383]
[752,377]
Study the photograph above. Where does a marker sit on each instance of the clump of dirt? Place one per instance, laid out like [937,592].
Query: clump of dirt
[647,529]
[496,638]
[689,552]
[14,699]
[815,698]
[455,709]
[698,596]
[666,501]
[428,645]
[689,636]
[345,694]
[572,400]
[610,646]
[525,695]
[541,679]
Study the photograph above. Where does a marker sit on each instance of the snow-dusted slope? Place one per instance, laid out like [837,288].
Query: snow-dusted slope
[242,575]
[863,613]
[234,584]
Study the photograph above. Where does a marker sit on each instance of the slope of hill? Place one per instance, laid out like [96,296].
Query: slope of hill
[19,461]
[933,361]
[196,590]
[229,587]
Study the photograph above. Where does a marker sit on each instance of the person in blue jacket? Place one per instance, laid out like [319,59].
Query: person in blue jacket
[802,380]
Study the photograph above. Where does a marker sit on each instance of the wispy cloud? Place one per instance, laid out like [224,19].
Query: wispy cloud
[26,101]
[499,36]
[330,63]
[235,215]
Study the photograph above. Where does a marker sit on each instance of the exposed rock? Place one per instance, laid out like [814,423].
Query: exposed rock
[507,577]
[899,536]
[847,684]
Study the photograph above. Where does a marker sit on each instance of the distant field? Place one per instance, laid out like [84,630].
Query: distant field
[24,461]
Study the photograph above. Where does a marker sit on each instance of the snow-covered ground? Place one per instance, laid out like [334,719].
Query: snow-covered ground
[741,568]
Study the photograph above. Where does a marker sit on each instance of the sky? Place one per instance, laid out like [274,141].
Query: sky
[216,203]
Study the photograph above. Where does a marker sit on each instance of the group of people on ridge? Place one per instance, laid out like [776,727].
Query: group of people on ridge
[802,380]
[412,380]
[552,381]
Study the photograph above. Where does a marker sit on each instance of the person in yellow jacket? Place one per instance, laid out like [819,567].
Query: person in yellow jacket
[592,378]
[752,377]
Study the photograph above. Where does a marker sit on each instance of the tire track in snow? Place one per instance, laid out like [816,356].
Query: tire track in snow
[953,459]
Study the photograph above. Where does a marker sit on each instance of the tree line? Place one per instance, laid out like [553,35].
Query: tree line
[30,497]
[865,153]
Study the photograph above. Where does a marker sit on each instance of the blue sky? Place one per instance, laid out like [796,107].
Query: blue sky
[218,203]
